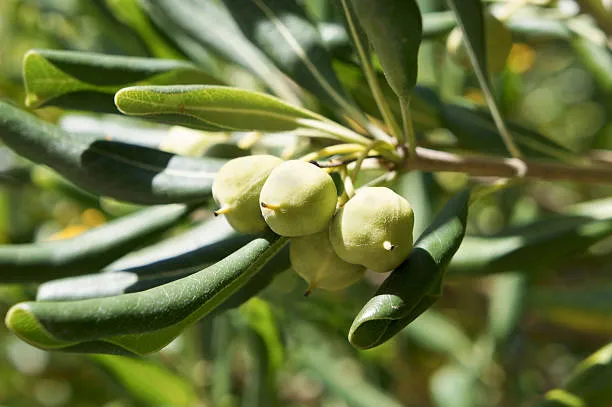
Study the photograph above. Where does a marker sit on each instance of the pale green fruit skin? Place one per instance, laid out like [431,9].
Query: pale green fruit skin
[237,186]
[498,43]
[306,195]
[314,259]
[375,215]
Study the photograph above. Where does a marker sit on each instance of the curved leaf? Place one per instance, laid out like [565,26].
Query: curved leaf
[416,284]
[122,171]
[216,108]
[146,321]
[282,30]
[394,28]
[88,81]
[88,252]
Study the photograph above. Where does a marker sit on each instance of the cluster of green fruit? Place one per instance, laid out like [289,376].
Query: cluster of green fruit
[330,247]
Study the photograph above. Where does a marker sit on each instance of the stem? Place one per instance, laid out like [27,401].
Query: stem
[370,74]
[362,157]
[340,132]
[408,126]
[333,150]
[433,160]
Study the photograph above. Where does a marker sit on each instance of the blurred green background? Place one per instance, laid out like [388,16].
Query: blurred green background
[500,340]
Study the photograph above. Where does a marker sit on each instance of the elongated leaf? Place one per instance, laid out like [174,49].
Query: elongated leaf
[589,384]
[282,30]
[585,308]
[121,171]
[88,252]
[394,28]
[212,108]
[209,25]
[506,304]
[88,81]
[141,322]
[415,285]
[149,382]
[454,386]
[470,18]
[162,263]
[476,130]
[532,247]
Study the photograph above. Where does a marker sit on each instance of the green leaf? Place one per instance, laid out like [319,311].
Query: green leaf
[415,285]
[439,333]
[146,321]
[596,59]
[209,25]
[122,171]
[149,382]
[585,309]
[454,386]
[169,260]
[394,28]
[539,245]
[283,31]
[506,304]
[90,251]
[470,18]
[589,384]
[216,108]
[88,81]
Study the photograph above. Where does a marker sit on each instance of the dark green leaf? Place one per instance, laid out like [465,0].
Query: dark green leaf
[531,247]
[146,321]
[394,28]
[415,285]
[208,24]
[282,30]
[121,171]
[88,81]
[88,252]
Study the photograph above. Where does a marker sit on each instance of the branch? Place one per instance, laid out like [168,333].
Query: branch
[433,160]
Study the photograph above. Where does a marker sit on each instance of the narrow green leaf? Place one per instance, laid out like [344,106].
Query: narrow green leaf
[589,384]
[533,247]
[149,382]
[88,252]
[585,309]
[394,28]
[476,130]
[415,285]
[122,171]
[596,59]
[209,25]
[283,31]
[454,386]
[438,333]
[217,108]
[88,81]
[146,321]
[470,18]
[506,304]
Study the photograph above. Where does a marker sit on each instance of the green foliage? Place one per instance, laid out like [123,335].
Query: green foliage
[118,119]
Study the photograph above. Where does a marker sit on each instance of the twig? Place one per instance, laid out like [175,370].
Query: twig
[433,160]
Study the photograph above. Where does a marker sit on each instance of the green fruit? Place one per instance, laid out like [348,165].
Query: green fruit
[298,199]
[373,229]
[498,43]
[236,188]
[314,259]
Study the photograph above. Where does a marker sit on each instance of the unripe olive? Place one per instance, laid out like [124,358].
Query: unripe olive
[373,229]
[498,44]
[298,199]
[236,188]
[314,259]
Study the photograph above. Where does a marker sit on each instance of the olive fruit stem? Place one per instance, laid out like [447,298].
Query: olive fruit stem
[333,150]
[408,134]
[223,210]
[335,129]
[370,73]
[363,156]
